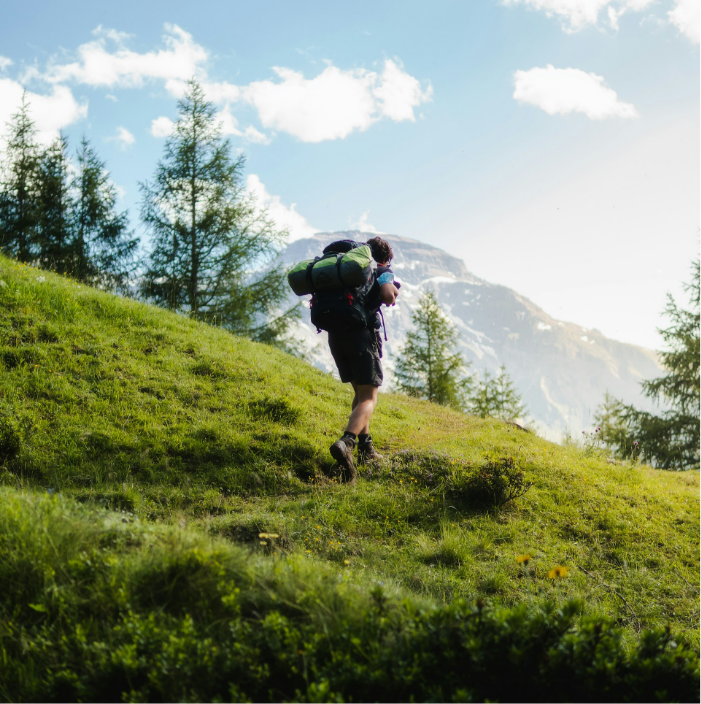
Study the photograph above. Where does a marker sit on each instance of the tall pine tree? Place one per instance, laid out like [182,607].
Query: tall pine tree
[61,218]
[54,208]
[428,366]
[19,188]
[103,247]
[670,439]
[208,235]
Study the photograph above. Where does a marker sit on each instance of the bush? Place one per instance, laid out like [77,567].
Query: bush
[490,484]
[182,618]
[498,481]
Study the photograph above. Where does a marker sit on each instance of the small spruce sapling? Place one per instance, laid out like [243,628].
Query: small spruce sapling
[429,366]
[497,397]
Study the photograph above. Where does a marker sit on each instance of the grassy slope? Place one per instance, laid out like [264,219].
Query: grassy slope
[126,405]
[102,607]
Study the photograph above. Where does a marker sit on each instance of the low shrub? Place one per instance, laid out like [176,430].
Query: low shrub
[491,484]
[497,482]
[96,607]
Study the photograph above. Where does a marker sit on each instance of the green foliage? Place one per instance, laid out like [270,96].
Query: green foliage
[615,431]
[428,367]
[186,618]
[498,481]
[103,251]
[19,188]
[496,397]
[669,440]
[61,219]
[208,234]
[55,208]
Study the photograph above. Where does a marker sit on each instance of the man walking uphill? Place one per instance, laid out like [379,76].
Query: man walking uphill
[357,353]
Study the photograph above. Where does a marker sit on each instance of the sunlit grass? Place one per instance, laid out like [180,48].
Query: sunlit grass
[124,406]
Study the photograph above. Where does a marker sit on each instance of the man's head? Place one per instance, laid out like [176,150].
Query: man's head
[381,251]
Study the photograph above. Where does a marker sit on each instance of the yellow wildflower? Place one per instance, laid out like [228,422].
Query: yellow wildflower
[523,558]
[559,571]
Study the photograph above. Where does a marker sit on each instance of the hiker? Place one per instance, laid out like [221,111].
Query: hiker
[357,353]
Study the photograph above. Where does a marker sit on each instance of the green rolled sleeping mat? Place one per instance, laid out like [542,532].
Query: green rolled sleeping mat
[333,270]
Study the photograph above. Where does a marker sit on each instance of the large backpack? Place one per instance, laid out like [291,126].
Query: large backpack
[340,282]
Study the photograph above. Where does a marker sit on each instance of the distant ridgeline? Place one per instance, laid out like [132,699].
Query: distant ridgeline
[562,370]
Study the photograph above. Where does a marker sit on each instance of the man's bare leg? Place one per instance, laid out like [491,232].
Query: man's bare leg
[364,402]
[363,406]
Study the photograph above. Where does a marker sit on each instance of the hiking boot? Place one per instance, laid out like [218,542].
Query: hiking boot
[342,452]
[367,452]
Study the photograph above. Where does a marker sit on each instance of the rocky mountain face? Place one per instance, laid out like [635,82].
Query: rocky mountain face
[561,369]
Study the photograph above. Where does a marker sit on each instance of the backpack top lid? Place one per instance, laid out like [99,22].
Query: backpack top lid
[341,246]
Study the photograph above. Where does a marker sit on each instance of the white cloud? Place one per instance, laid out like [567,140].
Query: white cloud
[686,17]
[50,113]
[111,97]
[99,66]
[251,134]
[285,217]
[565,90]
[331,105]
[5,62]
[364,226]
[228,123]
[162,126]
[336,102]
[222,92]
[577,14]
[124,137]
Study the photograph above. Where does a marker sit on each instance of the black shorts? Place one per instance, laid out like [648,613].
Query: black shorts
[357,355]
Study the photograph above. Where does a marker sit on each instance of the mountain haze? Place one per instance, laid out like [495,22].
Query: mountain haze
[562,369]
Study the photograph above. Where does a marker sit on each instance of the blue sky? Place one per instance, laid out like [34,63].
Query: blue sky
[552,144]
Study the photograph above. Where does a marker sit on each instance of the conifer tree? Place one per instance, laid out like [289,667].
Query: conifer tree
[670,439]
[497,397]
[54,208]
[103,247]
[428,366]
[208,235]
[18,188]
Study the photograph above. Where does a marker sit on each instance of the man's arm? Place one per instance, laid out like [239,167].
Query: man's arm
[388,294]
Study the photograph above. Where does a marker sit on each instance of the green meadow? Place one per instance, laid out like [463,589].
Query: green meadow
[171,528]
